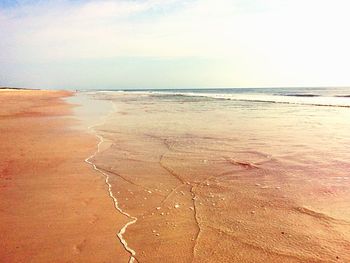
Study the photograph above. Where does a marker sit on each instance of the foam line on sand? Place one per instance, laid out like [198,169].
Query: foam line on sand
[116,204]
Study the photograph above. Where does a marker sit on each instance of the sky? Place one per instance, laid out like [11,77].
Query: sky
[102,44]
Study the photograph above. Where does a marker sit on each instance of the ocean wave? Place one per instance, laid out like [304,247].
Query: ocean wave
[300,95]
[283,99]
[342,96]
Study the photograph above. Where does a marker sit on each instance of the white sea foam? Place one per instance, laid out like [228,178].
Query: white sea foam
[116,204]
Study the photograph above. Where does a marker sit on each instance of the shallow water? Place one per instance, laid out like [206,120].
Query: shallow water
[89,110]
[229,180]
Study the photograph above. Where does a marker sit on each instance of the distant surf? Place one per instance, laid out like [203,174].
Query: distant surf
[333,97]
[287,99]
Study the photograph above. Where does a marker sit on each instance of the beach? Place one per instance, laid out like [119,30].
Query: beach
[158,177]
[174,131]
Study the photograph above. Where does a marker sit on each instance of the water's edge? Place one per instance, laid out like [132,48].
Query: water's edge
[84,101]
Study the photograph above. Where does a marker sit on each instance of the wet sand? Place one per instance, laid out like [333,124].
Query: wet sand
[54,207]
[216,181]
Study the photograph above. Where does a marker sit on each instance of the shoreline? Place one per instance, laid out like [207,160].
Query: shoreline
[54,207]
[115,200]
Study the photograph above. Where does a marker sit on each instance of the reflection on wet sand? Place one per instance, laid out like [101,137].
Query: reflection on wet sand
[227,181]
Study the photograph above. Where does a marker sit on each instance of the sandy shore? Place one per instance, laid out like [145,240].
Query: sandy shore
[54,207]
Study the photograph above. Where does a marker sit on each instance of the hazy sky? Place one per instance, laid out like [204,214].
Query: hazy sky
[174,43]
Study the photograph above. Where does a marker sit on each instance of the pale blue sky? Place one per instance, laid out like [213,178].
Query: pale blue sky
[174,43]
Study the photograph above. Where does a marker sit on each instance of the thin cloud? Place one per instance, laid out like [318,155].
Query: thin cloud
[249,43]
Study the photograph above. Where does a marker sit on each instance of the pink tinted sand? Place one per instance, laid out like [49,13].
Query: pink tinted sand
[54,207]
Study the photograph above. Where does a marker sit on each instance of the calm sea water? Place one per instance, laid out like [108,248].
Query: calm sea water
[332,96]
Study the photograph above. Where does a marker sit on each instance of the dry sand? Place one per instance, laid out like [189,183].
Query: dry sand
[54,207]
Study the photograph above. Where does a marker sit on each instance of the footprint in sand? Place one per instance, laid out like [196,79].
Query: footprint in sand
[79,247]
[93,219]
[87,201]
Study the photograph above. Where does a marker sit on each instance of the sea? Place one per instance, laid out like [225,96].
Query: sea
[318,96]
